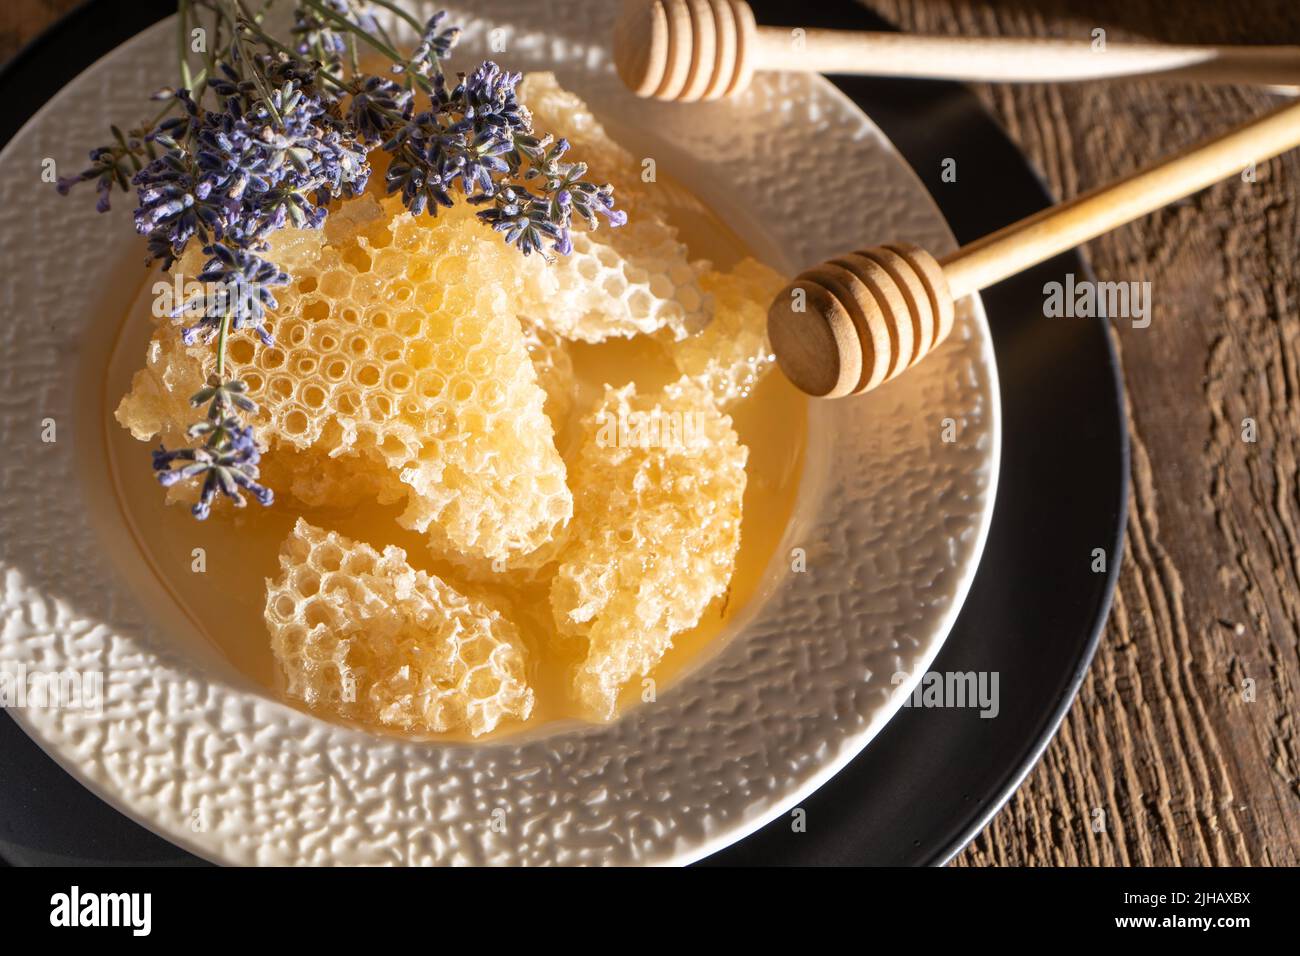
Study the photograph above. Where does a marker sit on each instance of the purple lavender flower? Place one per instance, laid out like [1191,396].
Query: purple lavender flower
[226,462]
[435,45]
[477,138]
[248,169]
[317,38]
[223,398]
[107,172]
[378,108]
[239,285]
[487,98]
[265,140]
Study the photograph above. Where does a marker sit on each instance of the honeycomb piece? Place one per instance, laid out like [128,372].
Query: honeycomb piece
[399,373]
[554,367]
[660,480]
[732,354]
[555,374]
[620,282]
[362,635]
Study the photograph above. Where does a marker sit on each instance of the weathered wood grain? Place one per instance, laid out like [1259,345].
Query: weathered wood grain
[1162,739]
[22,20]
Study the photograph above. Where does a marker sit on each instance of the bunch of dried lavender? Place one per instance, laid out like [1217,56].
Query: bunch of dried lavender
[267,134]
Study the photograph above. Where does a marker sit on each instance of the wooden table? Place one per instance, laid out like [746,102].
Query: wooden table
[1163,738]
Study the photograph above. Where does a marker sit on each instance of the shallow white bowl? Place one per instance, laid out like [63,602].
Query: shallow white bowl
[892,520]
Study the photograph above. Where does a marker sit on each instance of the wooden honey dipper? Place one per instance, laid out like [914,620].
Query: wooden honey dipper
[689,50]
[856,321]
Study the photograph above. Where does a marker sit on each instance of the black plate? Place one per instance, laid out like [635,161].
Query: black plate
[933,778]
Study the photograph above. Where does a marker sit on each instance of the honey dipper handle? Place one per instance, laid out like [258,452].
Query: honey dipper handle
[1053,231]
[857,321]
[1018,59]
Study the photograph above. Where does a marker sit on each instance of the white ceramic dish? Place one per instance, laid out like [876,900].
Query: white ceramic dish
[891,518]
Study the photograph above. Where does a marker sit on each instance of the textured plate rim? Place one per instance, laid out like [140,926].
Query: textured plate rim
[859,739]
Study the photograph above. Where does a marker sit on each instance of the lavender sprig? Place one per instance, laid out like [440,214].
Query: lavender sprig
[317,39]
[436,43]
[244,282]
[268,134]
[225,462]
[227,459]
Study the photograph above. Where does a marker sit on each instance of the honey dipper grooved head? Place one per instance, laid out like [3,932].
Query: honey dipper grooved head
[858,320]
[685,50]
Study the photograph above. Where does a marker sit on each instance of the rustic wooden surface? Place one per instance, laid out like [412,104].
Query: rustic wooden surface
[1162,739]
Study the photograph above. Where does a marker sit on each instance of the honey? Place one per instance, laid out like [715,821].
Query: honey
[217,570]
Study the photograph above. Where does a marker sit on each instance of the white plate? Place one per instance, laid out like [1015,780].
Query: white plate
[891,517]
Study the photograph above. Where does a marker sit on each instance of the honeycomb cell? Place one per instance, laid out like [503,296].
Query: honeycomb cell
[483,480]
[659,482]
[335,284]
[361,635]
